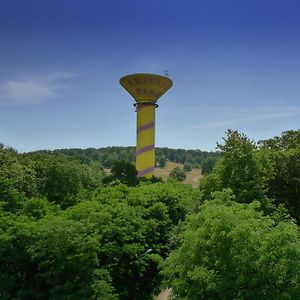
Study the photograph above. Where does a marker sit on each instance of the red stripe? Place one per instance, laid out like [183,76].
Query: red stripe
[146,126]
[144,149]
[146,171]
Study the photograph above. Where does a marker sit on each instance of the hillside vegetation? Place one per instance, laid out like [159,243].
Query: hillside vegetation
[192,177]
[70,231]
[109,155]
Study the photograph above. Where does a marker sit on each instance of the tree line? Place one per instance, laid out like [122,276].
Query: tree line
[108,156]
[70,231]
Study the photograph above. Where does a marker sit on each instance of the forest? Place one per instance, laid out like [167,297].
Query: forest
[70,231]
[108,156]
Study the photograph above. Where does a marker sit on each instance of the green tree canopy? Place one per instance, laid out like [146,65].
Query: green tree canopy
[64,180]
[19,169]
[123,172]
[187,167]
[94,249]
[232,251]
[280,161]
[162,161]
[178,174]
[237,169]
[208,164]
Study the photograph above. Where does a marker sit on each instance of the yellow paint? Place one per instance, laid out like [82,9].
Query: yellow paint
[145,115]
[146,89]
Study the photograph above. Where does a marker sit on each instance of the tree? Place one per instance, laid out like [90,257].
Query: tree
[280,161]
[162,161]
[178,174]
[52,258]
[238,169]
[38,208]
[110,160]
[187,167]
[208,165]
[232,251]
[20,170]
[124,172]
[63,180]
[288,140]
[129,221]
[11,200]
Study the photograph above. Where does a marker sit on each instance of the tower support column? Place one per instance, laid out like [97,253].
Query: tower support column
[145,138]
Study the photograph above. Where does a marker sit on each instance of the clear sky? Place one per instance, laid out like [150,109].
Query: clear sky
[234,63]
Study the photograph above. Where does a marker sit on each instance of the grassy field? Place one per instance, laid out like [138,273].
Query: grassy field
[192,177]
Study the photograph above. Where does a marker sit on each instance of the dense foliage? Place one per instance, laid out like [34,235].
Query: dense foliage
[123,171]
[232,251]
[178,174]
[268,171]
[108,156]
[70,231]
[71,237]
[280,159]
[240,243]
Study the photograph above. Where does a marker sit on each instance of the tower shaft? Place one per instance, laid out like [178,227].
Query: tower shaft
[145,139]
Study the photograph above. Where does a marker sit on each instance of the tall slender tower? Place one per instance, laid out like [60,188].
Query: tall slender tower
[146,89]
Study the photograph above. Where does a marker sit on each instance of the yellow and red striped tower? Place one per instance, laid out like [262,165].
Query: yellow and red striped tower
[146,89]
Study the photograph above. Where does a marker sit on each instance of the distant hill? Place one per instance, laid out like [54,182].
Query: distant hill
[109,155]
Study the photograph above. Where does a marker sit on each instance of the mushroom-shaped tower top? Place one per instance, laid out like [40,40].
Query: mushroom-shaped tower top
[146,87]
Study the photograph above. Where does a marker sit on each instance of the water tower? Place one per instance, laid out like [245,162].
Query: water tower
[146,89]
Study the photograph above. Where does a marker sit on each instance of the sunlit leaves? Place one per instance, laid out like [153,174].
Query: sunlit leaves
[231,251]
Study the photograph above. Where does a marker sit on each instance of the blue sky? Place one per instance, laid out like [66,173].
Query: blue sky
[235,64]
